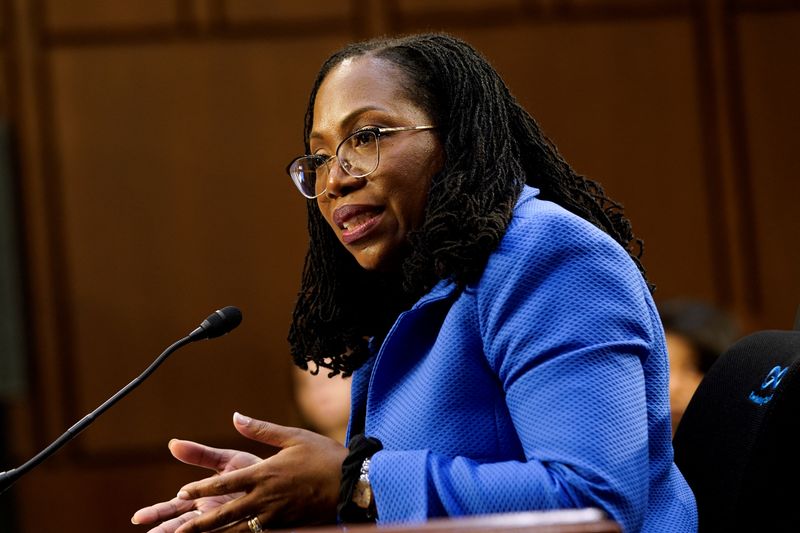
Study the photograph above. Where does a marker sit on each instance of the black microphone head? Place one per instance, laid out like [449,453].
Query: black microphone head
[218,323]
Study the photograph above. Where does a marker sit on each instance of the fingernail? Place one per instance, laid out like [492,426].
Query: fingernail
[133,521]
[241,419]
[183,495]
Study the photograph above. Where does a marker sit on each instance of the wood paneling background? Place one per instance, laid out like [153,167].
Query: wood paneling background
[151,137]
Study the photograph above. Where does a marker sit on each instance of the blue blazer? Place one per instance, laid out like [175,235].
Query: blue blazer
[544,385]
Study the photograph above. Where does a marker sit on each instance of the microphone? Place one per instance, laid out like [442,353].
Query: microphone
[217,324]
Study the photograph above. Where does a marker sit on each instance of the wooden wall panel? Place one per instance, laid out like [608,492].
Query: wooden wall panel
[770,85]
[483,14]
[246,11]
[153,139]
[5,39]
[170,200]
[620,101]
[414,8]
[4,100]
[108,14]
[176,203]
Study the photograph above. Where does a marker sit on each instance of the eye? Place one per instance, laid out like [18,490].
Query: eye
[363,138]
[319,160]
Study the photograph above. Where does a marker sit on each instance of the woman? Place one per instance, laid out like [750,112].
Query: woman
[697,333]
[505,350]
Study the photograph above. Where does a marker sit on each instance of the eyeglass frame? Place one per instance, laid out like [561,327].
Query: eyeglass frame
[377,131]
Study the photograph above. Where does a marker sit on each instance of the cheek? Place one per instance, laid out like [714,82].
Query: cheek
[326,211]
[412,189]
[408,200]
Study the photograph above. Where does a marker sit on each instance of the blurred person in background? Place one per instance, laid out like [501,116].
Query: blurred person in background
[697,334]
[323,402]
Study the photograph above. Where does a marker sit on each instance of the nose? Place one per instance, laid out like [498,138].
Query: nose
[339,182]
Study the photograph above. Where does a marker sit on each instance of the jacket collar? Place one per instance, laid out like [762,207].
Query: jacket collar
[444,289]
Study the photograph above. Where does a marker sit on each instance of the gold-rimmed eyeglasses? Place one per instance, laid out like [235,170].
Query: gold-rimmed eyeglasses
[358,155]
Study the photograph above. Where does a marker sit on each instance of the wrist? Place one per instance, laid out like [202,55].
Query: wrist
[362,493]
[356,497]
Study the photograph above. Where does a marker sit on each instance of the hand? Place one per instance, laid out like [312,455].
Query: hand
[177,511]
[299,485]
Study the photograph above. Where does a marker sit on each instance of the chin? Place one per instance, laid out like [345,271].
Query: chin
[373,265]
[378,257]
[369,257]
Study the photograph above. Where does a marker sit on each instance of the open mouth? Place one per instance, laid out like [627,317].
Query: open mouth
[359,220]
[356,221]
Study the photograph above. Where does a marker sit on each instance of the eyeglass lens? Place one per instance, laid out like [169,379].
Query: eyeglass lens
[357,155]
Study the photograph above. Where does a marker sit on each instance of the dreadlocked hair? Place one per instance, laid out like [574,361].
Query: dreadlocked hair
[492,147]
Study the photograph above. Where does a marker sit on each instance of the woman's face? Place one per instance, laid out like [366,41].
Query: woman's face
[684,375]
[372,216]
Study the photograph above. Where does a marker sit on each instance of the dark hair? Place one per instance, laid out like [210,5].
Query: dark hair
[708,330]
[492,146]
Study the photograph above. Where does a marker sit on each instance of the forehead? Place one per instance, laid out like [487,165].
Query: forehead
[358,86]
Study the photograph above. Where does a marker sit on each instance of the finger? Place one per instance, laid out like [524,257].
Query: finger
[220,485]
[243,526]
[197,454]
[171,526]
[162,511]
[230,514]
[266,432]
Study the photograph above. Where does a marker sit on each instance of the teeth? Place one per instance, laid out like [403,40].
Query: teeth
[356,221]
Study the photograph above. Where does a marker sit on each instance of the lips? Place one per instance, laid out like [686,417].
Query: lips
[356,221]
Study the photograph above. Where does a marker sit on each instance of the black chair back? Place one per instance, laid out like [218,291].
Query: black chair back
[737,441]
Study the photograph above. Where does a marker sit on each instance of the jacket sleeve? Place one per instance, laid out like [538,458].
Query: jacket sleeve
[566,326]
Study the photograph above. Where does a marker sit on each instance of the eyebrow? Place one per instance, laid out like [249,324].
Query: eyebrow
[349,117]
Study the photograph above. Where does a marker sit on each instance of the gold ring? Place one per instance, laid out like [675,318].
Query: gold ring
[255,525]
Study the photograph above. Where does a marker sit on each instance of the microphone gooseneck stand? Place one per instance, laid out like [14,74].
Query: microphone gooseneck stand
[218,323]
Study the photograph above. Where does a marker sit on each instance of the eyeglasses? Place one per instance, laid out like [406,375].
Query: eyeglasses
[358,155]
